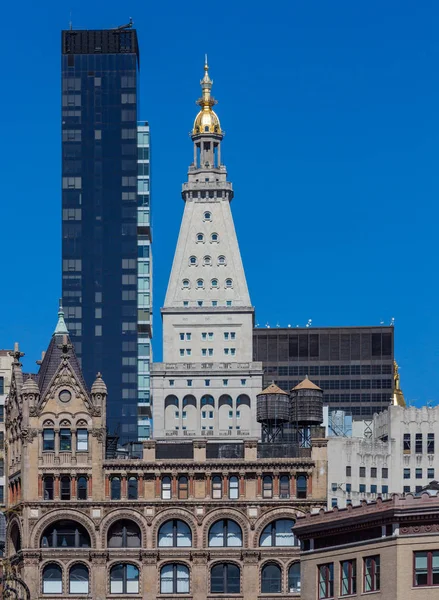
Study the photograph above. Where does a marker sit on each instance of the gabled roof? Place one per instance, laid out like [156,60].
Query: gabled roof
[52,360]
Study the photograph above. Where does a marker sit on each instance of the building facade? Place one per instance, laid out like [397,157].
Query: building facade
[207,382]
[5,382]
[388,548]
[190,518]
[399,455]
[100,212]
[353,365]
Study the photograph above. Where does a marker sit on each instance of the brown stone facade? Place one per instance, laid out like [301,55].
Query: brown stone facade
[388,548]
[83,525]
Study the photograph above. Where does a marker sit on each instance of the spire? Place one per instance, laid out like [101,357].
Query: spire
[206,120]
[61,327]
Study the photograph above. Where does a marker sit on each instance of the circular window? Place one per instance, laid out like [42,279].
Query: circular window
[214,237]
[229,283]
[221,260]
[207,216]
[65,396]
[185,283]
[215,283]
[193,260]
[200,237]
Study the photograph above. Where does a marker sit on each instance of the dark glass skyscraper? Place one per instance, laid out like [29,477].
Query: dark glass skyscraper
[99,212]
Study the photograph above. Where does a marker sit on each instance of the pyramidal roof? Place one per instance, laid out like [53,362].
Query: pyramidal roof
[272,389]
[307,384]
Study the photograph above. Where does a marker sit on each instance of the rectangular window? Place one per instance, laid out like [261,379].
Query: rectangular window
[406,474]
[2,467]
[362,488]
[230,414]
[430,442]
[243,381]
[181,352]
[82,440]
[171,382]
[348,577]
[232,351]
[418,474]
[207,382]
[48,439]
[225,382]
[385,489]
[348,488]
[333,502]
[232,335]
[326,580]
[384,472]
[348,471]
[226,335]
[418,443]
[406,489]
[430,473]
[189,382]
[2,413]
[210,351]
[65,440]
[2,386]
[184,415]
[182,336]
[407,443]
[373,489]
[203,351]
[371,570]
[362,471]
[426,568]
[373,472]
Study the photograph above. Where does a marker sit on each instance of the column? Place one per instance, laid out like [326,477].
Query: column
[276,484]
[242,484]
[225,476]
[141,487]
[73,488]
[199,578]
[250,576]
[56,443]
[73,432]
[174,484]
[107,486]
[40,487]
[191,484]
[123,485]
[259,484]
[90,487]
[309,485]
[56,491]
[157,485]
[293,485]
[208,484]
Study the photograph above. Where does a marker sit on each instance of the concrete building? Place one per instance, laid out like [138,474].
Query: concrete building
[5,382]
[353,365]
[207,382]
[193,518]
[388,548]
[399,455]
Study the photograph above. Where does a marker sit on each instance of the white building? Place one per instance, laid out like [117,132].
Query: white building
[400,456]
[5,382]
[207,382]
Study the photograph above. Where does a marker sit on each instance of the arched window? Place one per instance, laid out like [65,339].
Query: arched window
[185,283]
[133,491]
[65,534]
[271,579]
[65,488]
[217,487]
[301,486]
[214,283]
[124,579]
[229,283]
[81,488]
[183,491]
[174,579]
[284,491]
[124,534]
[267,486]
[48,487]
[15,538]
[225,578]
[278,533]
[294,578]
[52,579]
[214,237]
[200,283]
[207,216]
[233,487]
[115,488]
[207,261]
[78,579]
[175,534]
[221,260]
[225,533]
[200,237]
[192,260]
[166,488]
[207,400]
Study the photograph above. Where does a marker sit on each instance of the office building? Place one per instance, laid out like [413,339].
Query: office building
[353,365]
[192,518]
[387,548]
[207,382]
[100,214]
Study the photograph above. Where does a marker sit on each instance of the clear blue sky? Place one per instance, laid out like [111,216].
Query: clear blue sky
[331,114]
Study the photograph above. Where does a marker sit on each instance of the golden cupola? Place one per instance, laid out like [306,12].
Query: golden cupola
[398,397]
[206,121]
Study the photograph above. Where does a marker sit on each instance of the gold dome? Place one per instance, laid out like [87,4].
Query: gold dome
[207,120]
[398,397]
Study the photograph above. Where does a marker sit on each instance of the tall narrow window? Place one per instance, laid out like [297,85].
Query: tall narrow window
[348,577]
[418,443]
[78,579]
[183,491]
[217,487]
[430,443]
[294,578]
[48,487]
[426,568]
[326,580]
[284,491]
[65,488]
[48,439]
[233,488]
[65,440]
[271,579]
[267,487]
[166,488]
[133,491]
[407,444]
[115,488]
[301,486]
[81,488]
[52,579]
[82,440]
[371,573]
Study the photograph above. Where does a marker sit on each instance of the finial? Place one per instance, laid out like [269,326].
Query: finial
[61,327]
[206,66]
[16,355]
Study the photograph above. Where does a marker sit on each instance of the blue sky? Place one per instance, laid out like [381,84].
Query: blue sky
[331,115]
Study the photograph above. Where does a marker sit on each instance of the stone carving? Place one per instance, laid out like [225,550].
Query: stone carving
[28,435]
[99,434]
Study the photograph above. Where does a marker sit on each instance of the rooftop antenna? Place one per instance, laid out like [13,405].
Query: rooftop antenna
[127,26]
[392,321]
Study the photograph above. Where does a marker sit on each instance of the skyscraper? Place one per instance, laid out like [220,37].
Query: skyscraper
[99,212]
[207,382]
